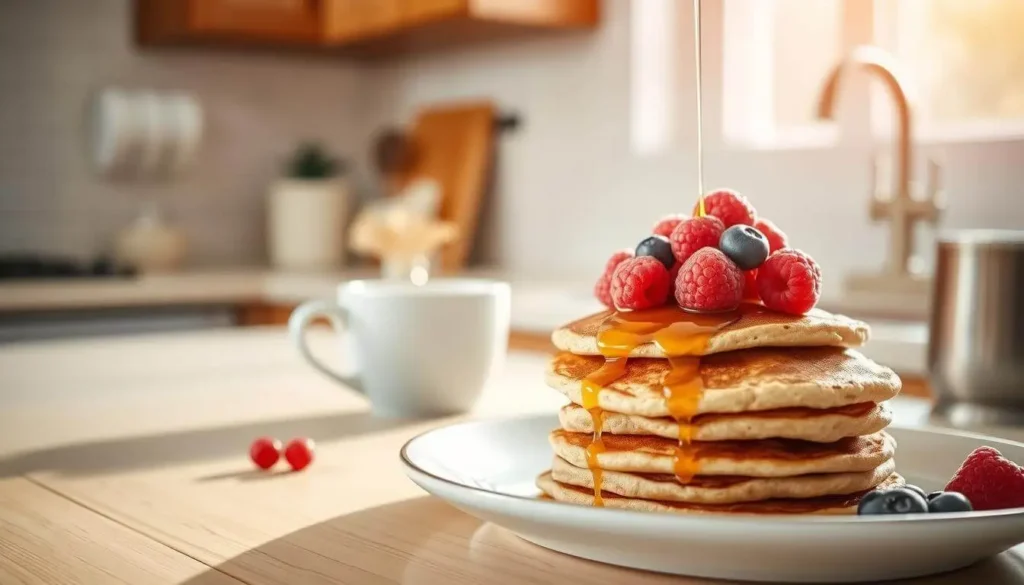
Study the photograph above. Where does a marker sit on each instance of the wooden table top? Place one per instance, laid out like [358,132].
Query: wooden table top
[124,460]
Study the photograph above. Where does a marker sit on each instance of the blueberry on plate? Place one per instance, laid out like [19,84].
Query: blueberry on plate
[659,248]
[744,245]
[893,501]
[950,502]
[918,490]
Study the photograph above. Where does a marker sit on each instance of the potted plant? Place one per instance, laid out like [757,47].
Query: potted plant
[306,212]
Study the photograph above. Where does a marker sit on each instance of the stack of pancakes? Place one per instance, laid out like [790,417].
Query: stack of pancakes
[753,411]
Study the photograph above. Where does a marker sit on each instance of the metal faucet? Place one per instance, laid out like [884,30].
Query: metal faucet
[900,208]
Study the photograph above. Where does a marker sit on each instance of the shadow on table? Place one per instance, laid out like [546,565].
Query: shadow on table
[418,542]
[193,445]
[424,541]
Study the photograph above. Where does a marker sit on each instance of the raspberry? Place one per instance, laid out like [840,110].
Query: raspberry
[777,240]
[709,281]
[750,286]
[789,281]
[603,288]
[694,233]
[728,206]
[989,480]
[672,276]
[640,283]
[666,224]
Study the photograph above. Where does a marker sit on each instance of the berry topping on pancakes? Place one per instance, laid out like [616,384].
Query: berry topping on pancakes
[730,240]
[640,283]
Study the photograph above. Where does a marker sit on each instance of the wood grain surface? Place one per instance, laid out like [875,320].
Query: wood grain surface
[46,538]
[125,462]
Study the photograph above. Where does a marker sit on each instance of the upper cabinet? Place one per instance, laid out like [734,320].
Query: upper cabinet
[241,21]
[369,27]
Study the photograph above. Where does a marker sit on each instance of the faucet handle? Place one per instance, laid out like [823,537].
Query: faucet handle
[881,191]
[933,195]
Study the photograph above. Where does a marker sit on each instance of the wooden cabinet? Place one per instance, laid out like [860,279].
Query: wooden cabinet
[370,27]
[247,21]
[352,20]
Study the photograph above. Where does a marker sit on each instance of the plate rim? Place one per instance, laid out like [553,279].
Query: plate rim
[774,519]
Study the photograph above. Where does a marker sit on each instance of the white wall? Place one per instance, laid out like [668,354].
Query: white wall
[55,53]
[569,190]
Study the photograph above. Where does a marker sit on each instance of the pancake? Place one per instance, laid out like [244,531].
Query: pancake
[739,381]
[754,328]
[845,504]
[761,458]
[808,424]
[722,490]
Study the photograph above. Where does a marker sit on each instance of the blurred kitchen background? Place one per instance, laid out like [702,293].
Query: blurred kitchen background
[176,164]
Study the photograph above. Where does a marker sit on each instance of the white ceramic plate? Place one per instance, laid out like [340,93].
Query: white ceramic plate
[487,469]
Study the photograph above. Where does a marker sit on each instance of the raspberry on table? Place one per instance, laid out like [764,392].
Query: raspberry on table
[640,283]
[603,288]
[728,206]
[789,281]
[694,233]
[666,224]
[709,281]
[989,480]
[777,239]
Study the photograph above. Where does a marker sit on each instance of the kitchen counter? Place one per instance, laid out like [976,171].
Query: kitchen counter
[123,459]
[537,306]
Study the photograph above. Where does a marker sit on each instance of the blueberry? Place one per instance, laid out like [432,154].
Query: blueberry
[744,245]
[917,490]
[934,495]
[894,501]
[949,502]
[659,248]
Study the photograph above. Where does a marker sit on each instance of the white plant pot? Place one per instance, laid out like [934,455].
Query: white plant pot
[306,224]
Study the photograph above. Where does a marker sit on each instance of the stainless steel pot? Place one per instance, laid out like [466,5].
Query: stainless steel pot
[976,338]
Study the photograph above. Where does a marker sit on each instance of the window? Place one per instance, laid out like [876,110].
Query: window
[963,60]
[653,67]
[775,55]
[966,60]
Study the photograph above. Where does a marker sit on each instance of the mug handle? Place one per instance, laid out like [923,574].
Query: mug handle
[305,314]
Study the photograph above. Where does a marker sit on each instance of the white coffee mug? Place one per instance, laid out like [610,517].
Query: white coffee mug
[418,350]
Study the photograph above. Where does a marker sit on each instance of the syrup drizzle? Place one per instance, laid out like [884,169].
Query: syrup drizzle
[700,117]
[612,369]
[681,335]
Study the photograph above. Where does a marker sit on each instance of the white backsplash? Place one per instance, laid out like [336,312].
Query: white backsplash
[258,105]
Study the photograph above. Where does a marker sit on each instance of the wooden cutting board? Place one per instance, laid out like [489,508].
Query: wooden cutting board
[454,145]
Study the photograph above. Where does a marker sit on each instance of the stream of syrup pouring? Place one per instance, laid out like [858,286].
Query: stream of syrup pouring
[682,336]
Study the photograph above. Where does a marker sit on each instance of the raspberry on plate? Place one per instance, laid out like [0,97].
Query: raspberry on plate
[694,233]
[603,288]
[666,224]
[728,206]
[709,281]
[777,239]
[640,283]
[989,480]
[789,281]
